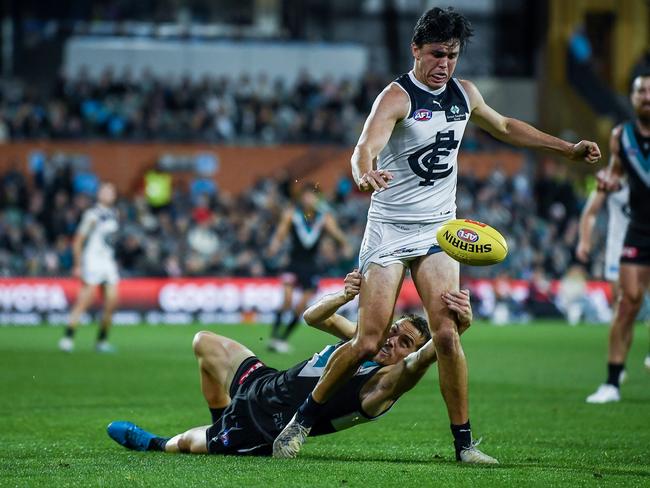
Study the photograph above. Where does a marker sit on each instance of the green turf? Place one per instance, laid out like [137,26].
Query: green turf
[527,386]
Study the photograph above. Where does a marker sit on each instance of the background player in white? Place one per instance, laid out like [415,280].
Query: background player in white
[407,155]
[94,264]
[618,218]
[630,157]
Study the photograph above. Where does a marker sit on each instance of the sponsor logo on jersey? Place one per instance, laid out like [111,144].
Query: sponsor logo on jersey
[467,246]
[422,115]
[455,114]
[467,235]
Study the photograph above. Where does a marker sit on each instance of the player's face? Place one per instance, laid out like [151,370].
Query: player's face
[435,63]
[309,200]
[106,194]
[403,339]
[641,97]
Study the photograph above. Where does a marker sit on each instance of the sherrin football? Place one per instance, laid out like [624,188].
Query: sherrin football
[471,242]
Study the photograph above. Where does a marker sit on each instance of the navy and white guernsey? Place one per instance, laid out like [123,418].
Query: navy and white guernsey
[273,401]
[422,155]
[635,157]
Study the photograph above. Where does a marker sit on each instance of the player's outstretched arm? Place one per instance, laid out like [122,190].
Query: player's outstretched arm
[390,106]
[588,216]
[519,133]
[610,178]
[322,314]
[281,233]
[333,229]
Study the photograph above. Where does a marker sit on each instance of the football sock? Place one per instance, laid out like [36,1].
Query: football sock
[309,412]
[613,373]
[290,326]
[69,332]
[275,331]
[103,334]
[157,444]
[462,437]
[216,414]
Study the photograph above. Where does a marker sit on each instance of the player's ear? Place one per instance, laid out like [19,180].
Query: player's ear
[415,50]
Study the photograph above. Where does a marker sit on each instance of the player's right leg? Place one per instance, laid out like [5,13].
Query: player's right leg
[219,359]
[287,299]
[131,436]
[634,280]
[84,299]
[379,290]
[106,321]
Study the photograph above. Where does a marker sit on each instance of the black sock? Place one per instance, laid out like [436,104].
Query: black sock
[290,326]
[103,334]
[69,332]
[462,437]
[613,373]
[309,412]
[157,444]
[275,331]
[216,414]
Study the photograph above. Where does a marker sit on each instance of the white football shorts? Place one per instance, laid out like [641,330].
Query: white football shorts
[95,272]
[388,243]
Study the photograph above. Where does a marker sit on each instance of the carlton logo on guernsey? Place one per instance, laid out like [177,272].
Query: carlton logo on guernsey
[422,155]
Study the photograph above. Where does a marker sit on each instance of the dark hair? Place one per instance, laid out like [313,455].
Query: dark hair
[442,25]
[420,323]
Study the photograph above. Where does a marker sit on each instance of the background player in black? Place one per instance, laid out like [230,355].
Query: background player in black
[305,223]
[250,402]
[629,156]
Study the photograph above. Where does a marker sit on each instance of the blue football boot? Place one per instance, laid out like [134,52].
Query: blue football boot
[129,435]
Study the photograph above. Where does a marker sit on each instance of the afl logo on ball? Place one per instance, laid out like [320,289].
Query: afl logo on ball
[422,115]
[467,235]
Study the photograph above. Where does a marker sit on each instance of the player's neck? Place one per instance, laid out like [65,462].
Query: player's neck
[643,126]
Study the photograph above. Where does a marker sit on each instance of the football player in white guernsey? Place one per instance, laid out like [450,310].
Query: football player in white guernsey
[248,400]
[406,156]
[94,264]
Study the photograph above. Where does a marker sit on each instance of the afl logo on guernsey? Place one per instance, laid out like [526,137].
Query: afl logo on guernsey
[422,115]
[467,235]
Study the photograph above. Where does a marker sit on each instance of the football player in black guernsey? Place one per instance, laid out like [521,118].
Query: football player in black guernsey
[251,403]
[630,158]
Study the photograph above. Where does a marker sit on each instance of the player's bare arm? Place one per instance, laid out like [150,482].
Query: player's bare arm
[399,378]
[281,233]
[322,314]
[588,216]
[390,107]
[519,133]
[333,229]
[609,179]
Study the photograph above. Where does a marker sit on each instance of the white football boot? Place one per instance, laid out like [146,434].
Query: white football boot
[289,442]
[472,455]
[66,344]
[104,347]
[605,394]
[646,361]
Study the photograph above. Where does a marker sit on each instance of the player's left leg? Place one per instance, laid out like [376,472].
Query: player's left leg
[288,287]
[219,359]
[297,312]
[433,275]
[136,438]
[634,280]
[106,321]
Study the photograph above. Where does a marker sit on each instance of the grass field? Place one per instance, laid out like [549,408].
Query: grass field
[528,385]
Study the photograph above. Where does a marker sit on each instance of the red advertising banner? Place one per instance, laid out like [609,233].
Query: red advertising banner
[30,301]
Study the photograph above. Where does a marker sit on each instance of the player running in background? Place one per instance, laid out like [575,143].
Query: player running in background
[305,223]
[94,263]
[250,402]
[618,217]
[407,155]
[629,156]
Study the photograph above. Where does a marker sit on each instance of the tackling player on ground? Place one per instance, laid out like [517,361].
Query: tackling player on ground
[629,156]
[94,263]
[250,403]
[406,156]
